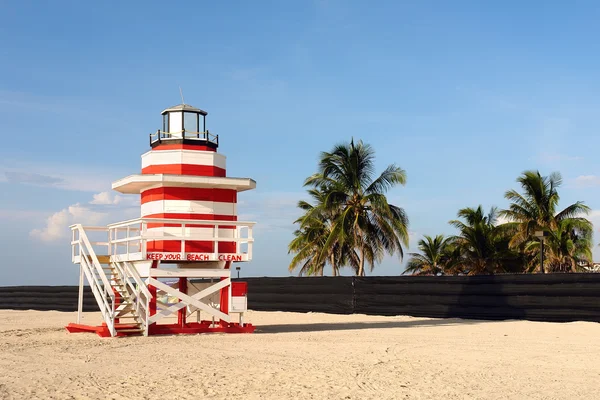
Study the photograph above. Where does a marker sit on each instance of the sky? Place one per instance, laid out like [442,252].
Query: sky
[463,95]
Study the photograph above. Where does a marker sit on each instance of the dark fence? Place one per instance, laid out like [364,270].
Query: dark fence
[556,297]
[316,294]
[45,298]
[551,297]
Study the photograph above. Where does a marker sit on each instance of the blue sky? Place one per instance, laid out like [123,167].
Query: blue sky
[463,95]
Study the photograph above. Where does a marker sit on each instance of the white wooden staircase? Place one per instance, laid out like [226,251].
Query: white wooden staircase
[121,294]
[128,320]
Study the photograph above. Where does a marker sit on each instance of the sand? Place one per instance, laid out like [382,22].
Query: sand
[303,356]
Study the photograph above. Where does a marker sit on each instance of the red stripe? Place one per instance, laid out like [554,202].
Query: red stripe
[174,246]
[183,147]
[184,169]
[178,225]
[209,217]
[191,194]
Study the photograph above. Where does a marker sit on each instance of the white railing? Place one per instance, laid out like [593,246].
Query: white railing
[128,240]
[84,254]
[75,239]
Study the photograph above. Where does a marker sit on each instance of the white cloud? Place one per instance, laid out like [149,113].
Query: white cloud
[31,178]
[594,217]
[584,181]
[108,198]
[66,177]
[57,224]
[274,211]
[103,209]
[553,157]
[20,215]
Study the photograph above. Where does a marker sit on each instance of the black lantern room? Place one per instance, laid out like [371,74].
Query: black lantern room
[184,124]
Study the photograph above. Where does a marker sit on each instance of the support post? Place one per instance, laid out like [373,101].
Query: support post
[152,302]
[182,313]
[541,235]
[80,302]
[117,300]
[542,256]
[225,295]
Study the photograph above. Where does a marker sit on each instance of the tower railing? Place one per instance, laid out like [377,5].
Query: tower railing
[160,136]
[129,240]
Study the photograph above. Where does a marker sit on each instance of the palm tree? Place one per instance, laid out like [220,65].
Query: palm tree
[479,240]
[306,245]
[313,232]
[536,210]
[364,220]
[315,227]
[433,257]
[565,248]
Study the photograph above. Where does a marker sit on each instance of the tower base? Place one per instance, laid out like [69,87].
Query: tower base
[190,328]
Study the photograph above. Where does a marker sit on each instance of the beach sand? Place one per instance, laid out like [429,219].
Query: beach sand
[303,356]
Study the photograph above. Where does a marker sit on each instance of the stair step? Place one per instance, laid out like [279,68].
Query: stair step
[126,325]
[103,259]
[126,310]
[140,330]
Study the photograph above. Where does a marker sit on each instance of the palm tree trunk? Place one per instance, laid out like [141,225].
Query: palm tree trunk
[361,262]
[333,266]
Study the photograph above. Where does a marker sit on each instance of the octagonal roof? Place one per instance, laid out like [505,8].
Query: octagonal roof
[184,107]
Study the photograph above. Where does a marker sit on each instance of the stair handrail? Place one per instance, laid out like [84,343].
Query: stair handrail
[126,273]
[102,293]
[83,237]
[138,279]
[143,289]
[103,304]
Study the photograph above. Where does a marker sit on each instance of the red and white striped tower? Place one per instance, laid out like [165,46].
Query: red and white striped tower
[183,179]
[181,150]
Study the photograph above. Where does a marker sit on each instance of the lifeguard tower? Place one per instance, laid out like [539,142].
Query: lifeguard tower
[176,259]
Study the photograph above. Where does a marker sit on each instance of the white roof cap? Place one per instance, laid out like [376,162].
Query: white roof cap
[184,107]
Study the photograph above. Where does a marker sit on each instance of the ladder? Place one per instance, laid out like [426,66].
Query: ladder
[127,318]
[121,294]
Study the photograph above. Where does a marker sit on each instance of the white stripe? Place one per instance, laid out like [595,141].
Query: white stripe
[188,207]
[197,233]
[192,157]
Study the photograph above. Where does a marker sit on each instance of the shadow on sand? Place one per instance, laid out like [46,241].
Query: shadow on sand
[346,326]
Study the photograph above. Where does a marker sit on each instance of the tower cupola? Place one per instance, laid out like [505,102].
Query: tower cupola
[184,124]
